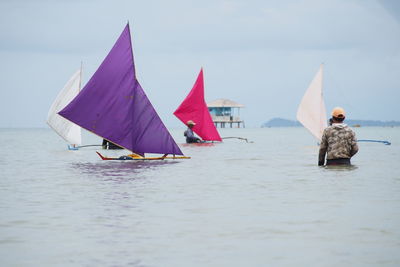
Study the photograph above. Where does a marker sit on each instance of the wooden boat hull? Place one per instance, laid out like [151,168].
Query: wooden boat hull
[141,158]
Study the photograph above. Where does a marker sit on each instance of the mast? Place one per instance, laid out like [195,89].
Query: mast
[323,119]
[80,77]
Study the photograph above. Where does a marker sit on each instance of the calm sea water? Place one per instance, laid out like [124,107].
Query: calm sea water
[233,204]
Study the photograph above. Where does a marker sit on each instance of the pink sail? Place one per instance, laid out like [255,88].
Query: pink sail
[194,108]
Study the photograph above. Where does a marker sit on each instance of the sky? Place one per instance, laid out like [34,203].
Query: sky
[260,53]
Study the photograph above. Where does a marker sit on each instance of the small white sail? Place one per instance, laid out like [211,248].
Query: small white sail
[312,112]
[66,129]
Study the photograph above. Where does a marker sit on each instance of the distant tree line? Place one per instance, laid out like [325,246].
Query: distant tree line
[279,122]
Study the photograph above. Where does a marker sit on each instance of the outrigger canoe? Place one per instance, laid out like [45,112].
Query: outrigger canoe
[138,157]
[114,106]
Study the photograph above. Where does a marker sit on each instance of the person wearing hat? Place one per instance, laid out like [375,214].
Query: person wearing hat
[190,137]
[338,142]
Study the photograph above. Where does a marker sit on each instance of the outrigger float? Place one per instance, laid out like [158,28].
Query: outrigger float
[114,106]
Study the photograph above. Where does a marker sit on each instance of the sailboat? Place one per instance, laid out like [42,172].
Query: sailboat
[194,108]
[69,131]
[114,106]
[312,112]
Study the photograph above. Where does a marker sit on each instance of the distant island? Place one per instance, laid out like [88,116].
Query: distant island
[279,122]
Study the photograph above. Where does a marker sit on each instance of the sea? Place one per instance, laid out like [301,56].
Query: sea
[264,202]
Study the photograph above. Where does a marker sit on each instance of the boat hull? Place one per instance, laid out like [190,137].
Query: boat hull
[141,158]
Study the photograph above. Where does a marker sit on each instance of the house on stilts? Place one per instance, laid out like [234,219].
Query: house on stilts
[226,112]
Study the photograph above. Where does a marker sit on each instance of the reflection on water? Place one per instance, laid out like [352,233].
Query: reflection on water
[340,167]
[119,168]
[231,204]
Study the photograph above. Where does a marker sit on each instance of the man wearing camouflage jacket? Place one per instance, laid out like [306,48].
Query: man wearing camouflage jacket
[338,141]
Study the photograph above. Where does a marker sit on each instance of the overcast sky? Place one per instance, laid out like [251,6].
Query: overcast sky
[262,54]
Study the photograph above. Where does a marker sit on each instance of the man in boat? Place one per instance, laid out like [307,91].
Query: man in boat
[190,137]
[338,142]
[109,145]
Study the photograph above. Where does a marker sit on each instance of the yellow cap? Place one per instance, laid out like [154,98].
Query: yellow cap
[338,112]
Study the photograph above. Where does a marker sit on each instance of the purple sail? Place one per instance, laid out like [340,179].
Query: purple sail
[114,106]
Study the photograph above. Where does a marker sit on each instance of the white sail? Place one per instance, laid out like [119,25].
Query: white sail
[66,129]
[311,112]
